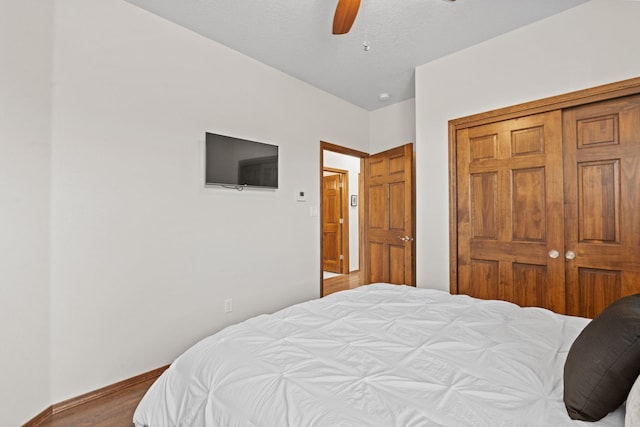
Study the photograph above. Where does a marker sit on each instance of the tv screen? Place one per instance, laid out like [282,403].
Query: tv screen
[237,163]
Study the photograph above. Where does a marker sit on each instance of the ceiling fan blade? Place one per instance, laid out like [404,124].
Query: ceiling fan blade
[346,12]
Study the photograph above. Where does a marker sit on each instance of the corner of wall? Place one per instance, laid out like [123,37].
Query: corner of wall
[26,51]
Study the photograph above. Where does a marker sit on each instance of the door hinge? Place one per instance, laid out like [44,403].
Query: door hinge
[341,221]
[341,257]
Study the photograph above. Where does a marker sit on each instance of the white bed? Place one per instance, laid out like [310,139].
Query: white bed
[378,355]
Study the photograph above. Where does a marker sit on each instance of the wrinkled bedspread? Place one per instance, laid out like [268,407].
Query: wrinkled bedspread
[379,355]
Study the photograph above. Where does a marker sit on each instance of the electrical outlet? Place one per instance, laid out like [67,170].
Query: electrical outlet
[228,305]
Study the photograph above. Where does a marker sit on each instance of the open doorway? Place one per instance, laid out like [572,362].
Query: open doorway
[385,206]
[338,226]
[341,218]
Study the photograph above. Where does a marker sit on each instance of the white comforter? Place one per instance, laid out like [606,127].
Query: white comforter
[379,355]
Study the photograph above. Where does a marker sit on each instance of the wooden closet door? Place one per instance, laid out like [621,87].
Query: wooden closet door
[510,211]
[602,187]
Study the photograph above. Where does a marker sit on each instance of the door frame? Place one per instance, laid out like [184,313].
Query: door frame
[344,215]
[327,146]
[572,99]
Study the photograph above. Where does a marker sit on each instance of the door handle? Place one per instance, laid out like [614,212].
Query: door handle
[406,238]
[555,254]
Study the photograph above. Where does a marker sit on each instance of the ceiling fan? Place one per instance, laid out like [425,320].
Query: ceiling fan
[346,13]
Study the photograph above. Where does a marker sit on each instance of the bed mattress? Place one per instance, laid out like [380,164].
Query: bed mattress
[379,355]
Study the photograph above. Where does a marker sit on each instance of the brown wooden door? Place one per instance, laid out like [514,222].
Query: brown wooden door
[602,187]
[510,211]
[390,216]
[331,226]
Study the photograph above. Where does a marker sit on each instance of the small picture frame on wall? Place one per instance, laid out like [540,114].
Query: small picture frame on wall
[354,200]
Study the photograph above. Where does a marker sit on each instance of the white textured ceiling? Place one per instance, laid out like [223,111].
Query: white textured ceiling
[294,36]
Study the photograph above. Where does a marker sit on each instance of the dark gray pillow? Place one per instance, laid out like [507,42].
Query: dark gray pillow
[604,361]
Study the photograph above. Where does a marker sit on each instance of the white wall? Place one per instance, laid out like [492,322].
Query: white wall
[25,108]
[143,255]
[590,45]
[392,126]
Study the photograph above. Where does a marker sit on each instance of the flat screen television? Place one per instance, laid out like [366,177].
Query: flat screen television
[238,163]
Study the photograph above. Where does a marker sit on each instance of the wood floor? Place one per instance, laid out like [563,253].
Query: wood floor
[341,282]
[114,410]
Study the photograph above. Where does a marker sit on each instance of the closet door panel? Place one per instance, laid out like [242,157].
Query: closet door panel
[529,205]
[487,279]
[526,289]
[483,189]
[510,203]
[602,178]
[599,288]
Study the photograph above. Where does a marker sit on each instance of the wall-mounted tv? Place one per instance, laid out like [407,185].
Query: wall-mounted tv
[238,163]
